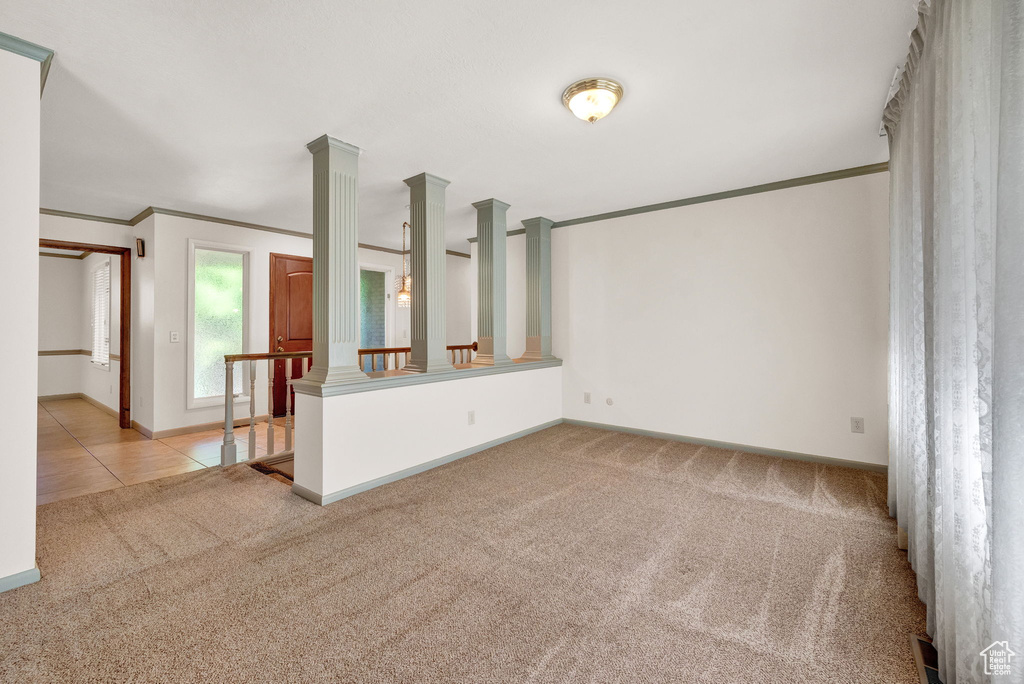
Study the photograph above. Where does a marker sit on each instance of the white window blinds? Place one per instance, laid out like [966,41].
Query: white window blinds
[101,315]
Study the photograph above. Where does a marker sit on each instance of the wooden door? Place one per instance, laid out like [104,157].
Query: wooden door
[291,315]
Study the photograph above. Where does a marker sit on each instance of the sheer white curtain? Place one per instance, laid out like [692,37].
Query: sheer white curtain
[956,387]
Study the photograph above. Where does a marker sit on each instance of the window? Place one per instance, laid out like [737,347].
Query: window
[217,320]
[101,315]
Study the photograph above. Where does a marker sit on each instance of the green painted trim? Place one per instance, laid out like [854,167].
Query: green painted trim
[85,217]
[26,49]
[792,455]
[324,499]
[316,389]
[150,211]
[728,194]
[19,579]
[517,231]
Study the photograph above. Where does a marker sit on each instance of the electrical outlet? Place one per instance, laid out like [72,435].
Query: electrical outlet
[586,397]
[857,425]
[175,337]
[472,417]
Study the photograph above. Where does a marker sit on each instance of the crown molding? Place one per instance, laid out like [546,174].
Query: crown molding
[728,194]
[85,217]
[150,211]
[26,49]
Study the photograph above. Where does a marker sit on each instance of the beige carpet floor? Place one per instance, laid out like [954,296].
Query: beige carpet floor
[571,555]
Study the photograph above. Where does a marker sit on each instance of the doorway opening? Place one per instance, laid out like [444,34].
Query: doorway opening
[103,291]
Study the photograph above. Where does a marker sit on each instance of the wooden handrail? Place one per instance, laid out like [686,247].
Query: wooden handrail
[228,358]
[404,350]
[461,355]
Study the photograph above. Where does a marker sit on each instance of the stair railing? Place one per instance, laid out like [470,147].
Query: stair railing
[461,354]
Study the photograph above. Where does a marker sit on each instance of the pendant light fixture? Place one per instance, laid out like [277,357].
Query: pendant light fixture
[403,283]
[592,98]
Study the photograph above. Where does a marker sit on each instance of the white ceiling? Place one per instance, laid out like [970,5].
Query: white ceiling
[207,107]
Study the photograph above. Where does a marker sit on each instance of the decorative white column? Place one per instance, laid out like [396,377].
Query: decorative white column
[426,216]
[335,263]
[492,309]
[538,289]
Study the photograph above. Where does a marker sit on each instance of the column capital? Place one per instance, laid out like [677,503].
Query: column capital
[491,204]
[325,141]
[538,222]
[425,179]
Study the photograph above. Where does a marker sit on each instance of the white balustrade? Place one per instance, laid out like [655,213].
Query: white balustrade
[229,449]
[459,354]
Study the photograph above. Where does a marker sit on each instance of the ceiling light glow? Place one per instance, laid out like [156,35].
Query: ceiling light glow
[592,98]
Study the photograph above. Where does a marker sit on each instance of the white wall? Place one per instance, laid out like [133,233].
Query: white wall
[349,440]
[19,271]
[460,288]
[170,252]
[759,320]
[60,320]
[60,311]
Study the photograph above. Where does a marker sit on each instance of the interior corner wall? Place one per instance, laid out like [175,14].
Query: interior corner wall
[760,320]
[19,269]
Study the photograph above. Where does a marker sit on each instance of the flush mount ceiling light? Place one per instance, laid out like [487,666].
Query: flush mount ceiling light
[592,98]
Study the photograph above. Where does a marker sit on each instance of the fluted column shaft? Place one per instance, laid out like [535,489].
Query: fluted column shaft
[492,307]
[538,289]
[426,218]
[335,262]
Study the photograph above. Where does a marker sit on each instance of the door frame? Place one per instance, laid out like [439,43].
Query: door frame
[124,400]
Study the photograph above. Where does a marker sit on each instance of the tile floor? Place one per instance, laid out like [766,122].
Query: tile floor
[81,450]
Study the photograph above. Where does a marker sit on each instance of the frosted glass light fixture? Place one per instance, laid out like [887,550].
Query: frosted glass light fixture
[403,283]
[592,98]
